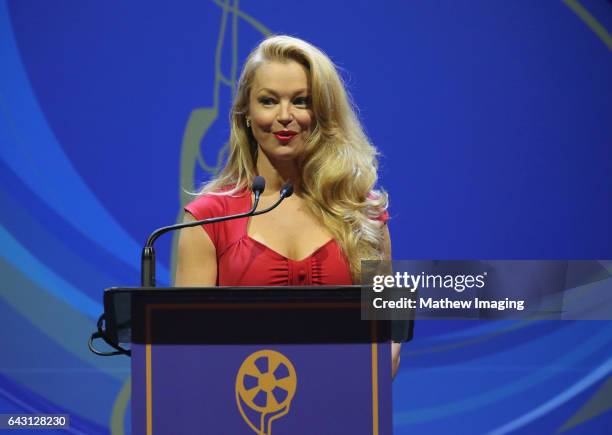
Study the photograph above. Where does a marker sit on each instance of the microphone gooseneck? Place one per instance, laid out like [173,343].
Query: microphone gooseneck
[285,192]
[147,271]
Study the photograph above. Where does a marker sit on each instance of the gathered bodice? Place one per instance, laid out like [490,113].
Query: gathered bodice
[244,261]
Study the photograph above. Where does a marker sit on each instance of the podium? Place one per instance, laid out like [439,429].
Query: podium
[253,360]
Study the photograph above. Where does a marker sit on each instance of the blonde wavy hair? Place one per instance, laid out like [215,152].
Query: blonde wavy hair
[339,164]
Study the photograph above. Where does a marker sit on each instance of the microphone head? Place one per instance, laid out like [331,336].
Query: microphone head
[287,190]
[259,184]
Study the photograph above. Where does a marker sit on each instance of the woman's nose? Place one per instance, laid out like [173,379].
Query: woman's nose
[284,115]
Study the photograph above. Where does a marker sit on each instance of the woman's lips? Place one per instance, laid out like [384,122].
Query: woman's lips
[284,136]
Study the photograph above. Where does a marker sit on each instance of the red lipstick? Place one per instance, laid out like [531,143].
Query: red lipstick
[284,135]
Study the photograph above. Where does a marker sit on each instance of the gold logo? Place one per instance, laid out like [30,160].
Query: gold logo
[266,383]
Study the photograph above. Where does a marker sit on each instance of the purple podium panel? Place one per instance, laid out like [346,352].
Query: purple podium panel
[259,361]
[259,389]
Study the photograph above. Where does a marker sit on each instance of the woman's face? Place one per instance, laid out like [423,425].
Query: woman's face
[279,109]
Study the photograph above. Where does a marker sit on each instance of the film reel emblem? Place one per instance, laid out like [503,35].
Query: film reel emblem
[266,383]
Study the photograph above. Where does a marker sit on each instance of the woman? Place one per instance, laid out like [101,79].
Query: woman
[291,121]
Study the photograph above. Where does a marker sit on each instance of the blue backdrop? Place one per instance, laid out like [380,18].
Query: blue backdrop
[494,123]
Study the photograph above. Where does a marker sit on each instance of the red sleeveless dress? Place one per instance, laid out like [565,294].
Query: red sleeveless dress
[243,261]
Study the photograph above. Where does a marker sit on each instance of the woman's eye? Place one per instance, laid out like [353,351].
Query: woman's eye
[302,101]
[266,101]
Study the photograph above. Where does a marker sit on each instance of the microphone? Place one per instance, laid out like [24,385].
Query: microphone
[259,185]
[147,271]
[147,263]
[287,190]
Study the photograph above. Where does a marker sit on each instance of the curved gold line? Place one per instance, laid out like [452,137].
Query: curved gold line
[149,387]
[225,80]
[590,21]
[235,11]
[262,423]
[374,383]
[276,417]
[117,422]
[201,119]
[219,53]
[242,413]
[249,19]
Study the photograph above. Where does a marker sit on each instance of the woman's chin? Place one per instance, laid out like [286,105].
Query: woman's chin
[284,153]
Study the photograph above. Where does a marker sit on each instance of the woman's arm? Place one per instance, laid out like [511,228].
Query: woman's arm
[395,357]
[196,264]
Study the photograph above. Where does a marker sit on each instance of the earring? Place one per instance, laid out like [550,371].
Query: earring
[248,122]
